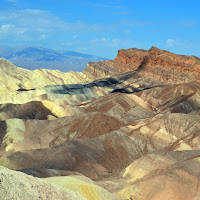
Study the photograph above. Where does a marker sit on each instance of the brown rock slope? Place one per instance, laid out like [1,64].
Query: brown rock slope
[34,134]
[41,110]
[161,65]
[96,158]
[135,131]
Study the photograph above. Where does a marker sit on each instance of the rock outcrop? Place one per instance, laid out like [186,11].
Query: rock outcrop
[155,63]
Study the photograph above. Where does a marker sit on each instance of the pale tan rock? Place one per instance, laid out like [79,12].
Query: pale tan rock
[17,185]
[172,175]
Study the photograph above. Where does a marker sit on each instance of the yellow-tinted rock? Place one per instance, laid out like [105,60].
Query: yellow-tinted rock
[26,79]
[87,189]
[14,133]
[17,185]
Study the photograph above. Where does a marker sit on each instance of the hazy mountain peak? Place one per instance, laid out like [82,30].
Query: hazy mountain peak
[31,57]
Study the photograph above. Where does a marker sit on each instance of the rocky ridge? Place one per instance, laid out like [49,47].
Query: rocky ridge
[155,63]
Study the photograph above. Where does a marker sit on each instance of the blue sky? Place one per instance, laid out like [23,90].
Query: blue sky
[102,27]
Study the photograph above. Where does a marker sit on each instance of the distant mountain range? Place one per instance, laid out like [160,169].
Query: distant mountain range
[36,57]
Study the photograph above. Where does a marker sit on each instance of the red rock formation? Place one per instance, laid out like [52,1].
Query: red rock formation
[158,64]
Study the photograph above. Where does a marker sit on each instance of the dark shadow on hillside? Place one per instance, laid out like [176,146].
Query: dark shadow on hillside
[23,90]
[131,90]
[3,128]
[75,89]
[112,83]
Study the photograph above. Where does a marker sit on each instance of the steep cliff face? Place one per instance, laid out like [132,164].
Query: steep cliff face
[155,63]
[100,69]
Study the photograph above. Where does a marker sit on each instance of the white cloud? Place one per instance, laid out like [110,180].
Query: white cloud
[42,37]
[34,26]
[34,23]
[170,43]
[103,39]
[5,28]
[11,31]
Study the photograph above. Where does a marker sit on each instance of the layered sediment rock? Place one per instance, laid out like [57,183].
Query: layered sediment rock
[155,63]
[134,132]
